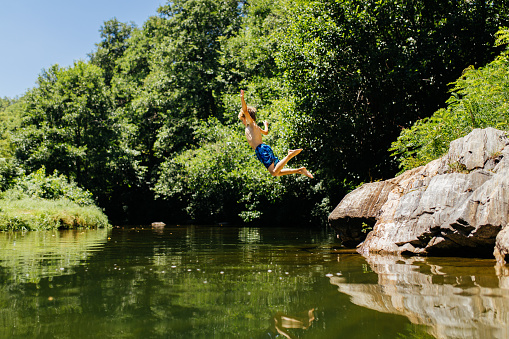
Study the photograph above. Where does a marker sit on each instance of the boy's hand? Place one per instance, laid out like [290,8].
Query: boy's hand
[244,106]
[265,131]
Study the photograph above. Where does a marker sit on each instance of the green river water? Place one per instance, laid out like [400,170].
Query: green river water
[238,282]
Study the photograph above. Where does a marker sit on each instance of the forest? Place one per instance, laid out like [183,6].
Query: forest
[146,126]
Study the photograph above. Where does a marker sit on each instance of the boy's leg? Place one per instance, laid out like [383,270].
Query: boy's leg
[278,170]
[282,163]
[301,170]
[286,171]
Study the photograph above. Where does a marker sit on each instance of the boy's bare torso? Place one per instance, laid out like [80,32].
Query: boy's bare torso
[253,135]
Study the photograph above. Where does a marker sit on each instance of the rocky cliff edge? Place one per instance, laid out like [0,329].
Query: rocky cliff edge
[457,205]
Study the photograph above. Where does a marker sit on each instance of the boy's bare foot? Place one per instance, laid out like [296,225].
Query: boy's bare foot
[294,152]
[305,172]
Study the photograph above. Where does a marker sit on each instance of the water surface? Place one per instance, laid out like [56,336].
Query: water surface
[229,282]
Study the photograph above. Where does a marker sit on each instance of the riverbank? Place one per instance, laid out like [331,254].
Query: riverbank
[45,214]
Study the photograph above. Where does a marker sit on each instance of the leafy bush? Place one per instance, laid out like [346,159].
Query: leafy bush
[9,171]
[221,174]
[222,178]
[52,187]
[38,201]
[479,99]
[10,120]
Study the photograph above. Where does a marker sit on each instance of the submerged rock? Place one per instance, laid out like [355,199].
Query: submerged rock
[456,205]
[158,224]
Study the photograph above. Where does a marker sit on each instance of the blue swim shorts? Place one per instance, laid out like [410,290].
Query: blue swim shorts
[265,154]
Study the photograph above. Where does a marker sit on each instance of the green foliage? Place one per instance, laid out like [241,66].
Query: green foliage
[10,120]
[70,125]
[479,99]
[51,187]
[457,167]
[114,42]
[219,179]
[165,80]
[250,53]
[154,111]
[9,171]
[185,64]
[365,228]
[426,140]
[38,201]
[362,69]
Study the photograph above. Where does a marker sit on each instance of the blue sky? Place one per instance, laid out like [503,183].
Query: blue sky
[35,34]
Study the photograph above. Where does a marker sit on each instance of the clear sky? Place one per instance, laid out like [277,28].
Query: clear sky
[35,34]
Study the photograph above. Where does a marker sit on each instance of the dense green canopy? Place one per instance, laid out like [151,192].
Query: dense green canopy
[149,123]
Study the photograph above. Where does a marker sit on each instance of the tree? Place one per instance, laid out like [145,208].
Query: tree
[10,120]
[365,69]
[337,78]
[479,99]
[164,81]
[193,50]
[115,36]
[70,126]
[131,87]
[218,177]
[182,82]
[249,54]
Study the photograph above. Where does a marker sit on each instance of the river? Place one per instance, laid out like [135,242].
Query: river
[238,282]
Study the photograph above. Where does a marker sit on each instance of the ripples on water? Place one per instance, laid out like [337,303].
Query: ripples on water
[228,282]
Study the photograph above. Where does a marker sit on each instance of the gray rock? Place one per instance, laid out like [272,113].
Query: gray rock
[358,208]
[502,246]
[475,149]
[455,205]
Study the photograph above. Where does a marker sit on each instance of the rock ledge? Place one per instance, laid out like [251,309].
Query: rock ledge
[457,205]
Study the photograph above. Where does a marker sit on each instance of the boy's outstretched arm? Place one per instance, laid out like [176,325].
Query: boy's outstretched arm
[249,120]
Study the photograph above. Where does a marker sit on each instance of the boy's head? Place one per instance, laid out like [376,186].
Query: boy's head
[250,110]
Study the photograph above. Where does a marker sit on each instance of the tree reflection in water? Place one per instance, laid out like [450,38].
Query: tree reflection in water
[30,256]
[236,282]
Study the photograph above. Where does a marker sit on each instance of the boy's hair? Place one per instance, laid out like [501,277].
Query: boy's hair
[252,112]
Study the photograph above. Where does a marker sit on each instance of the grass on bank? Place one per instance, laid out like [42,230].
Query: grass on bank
[38,201]
[29,213]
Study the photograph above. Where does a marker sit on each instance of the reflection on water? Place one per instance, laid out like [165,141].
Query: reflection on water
[282,323]
[460,298]
[28,256]
[228,282]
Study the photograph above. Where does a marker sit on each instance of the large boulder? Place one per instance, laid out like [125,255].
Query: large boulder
[455,205]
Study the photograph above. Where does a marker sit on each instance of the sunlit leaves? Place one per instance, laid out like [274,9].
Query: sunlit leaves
[114,35]
[364,69]
[70,125]
[10,119]
[221,178]
[479,99]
